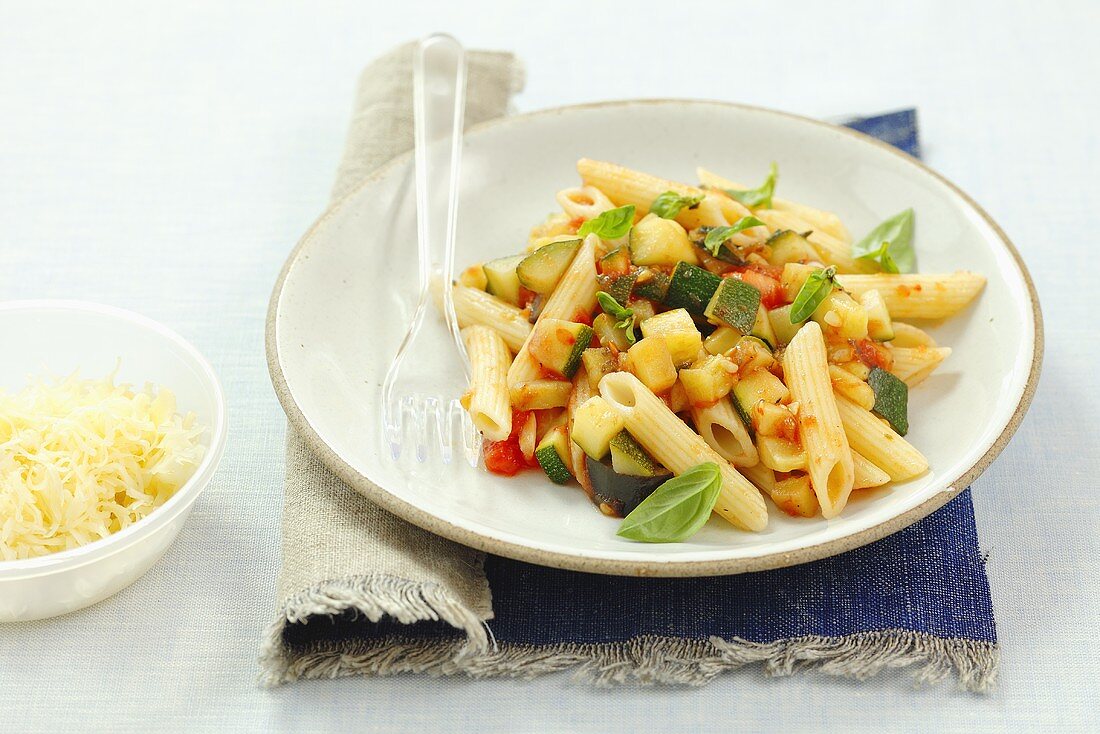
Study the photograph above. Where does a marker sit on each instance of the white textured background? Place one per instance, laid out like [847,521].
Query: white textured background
[165,159]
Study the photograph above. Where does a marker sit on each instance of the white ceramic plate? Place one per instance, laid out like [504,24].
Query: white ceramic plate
[345,296]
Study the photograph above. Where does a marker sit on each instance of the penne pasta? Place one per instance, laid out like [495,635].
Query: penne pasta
[669,440]
[918,295]
[913,364]
[575,294]
[828,455]
[489,405]
[907,335]
[723,429]
[585,202]
[474,307]
[878,443]
[818,220]
[866,473]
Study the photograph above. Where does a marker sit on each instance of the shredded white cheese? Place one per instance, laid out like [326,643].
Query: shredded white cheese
[81,459]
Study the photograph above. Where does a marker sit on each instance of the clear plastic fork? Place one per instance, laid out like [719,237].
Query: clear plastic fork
[422,417]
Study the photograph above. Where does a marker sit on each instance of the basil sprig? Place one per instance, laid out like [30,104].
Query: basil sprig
[677,509]
[624,317]
[761,196]
[717,236]
[611,225]
[890,244]
[816,289]
[669,204]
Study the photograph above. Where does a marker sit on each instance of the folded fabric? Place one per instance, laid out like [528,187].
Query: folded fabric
[362,592]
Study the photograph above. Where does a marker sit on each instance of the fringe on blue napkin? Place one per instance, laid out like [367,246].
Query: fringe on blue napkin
[919,598]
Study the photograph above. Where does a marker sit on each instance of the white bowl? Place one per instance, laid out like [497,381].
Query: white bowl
[344,299]
[56,337]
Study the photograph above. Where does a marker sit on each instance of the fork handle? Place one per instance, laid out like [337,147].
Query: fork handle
[439,100]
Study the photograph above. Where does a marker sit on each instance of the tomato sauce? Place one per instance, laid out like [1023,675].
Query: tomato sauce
[505,457]
[871,354]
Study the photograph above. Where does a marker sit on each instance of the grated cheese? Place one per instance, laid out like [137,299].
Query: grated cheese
[81,459]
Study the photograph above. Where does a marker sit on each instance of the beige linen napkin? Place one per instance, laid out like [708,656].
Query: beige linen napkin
[342,555]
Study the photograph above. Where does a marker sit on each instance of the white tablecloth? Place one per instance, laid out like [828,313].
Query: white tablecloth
[166,159]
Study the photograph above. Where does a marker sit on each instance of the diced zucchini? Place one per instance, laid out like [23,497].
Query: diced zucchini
[790,247]
[735,303]
[780,320]
[619,286]
[722,340]
[618,494]
[677,399]
[691,287]
[473,277]
[762,329]
[552,454]
[840,314]
[793,278]
[605,329]
[558,345]
[879,326]
[540,394]
[759,385]
[542,269]
[770,419]
[616,262]
[852,387]
[751,353]
[779,454]
[525,436]
[629,458]
[594,425]
[651,284]
[657,241]
[597,363]
[891,399]
[643,310]
[651,361]
[681,335]
[795,496]
[709,380]
[501,279]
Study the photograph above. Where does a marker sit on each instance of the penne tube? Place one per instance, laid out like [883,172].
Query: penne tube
[725,432]
[818,220]
[489,405]
[866,473]
[475,307]
[582,391]
[829,458]
[879,443]
[586,202]
[574,296]
[907,335]
[672,442]
[626,186]
[918,295]
[913,364]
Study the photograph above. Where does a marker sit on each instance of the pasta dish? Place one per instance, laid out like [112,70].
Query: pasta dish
[684,350]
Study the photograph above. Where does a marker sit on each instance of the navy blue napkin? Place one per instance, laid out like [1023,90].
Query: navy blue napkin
[917,598]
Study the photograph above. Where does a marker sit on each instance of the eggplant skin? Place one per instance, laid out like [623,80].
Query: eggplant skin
[620,492]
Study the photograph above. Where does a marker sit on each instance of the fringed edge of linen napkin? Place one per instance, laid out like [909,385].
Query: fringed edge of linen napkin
[644,660]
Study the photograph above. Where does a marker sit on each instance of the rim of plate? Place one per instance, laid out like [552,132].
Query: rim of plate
[622,567]
[180,500]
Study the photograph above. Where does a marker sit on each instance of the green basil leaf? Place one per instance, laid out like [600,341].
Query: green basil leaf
[624,316]
[882,257]
[761,196]
[611,225]
[894,237]
[669,204]
[677,509]
[816,288]
[718,236]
